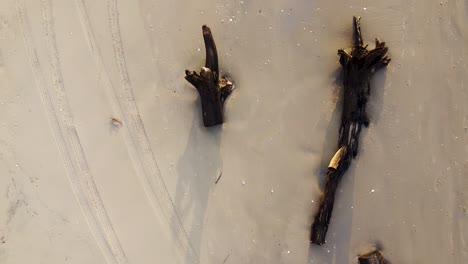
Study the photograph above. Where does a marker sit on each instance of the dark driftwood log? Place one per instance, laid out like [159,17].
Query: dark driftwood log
[374,257]
[358,68]
[212,88]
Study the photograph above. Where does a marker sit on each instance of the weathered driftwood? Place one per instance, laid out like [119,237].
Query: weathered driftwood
[358,67]
[374,257]
[212,88]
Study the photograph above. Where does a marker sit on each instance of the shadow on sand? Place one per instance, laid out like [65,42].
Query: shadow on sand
[197,170]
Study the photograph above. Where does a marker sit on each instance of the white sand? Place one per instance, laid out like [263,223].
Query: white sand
[78,189]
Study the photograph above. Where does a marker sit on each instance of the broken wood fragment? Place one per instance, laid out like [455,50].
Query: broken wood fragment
[335,161]
[219,177]
[358,67]
[212,88]
[374,257]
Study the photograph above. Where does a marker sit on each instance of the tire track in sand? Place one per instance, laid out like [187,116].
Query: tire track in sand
[135,136]
[66,137]
[153,178]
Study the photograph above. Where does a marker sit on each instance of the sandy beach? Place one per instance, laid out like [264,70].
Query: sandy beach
[104,157]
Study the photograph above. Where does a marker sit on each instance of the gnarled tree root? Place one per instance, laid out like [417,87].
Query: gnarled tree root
[358,67]
[212,88]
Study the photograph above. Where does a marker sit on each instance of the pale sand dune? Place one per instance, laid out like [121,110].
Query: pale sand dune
[79,189]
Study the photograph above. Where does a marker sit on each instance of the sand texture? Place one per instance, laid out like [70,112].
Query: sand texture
[104,157]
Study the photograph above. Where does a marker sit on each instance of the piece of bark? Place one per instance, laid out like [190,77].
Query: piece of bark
[212,88]
[374,257]
[358,67]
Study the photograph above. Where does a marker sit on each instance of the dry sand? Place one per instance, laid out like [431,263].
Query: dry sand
[77,188]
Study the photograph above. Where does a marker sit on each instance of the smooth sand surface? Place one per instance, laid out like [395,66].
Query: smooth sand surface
[79,188]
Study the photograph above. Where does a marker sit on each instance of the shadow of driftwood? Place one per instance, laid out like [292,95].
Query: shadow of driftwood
[340,225]
[330,143]
[197,171]
[377,97]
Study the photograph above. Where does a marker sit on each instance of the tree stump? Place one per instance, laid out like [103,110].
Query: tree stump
[213,89]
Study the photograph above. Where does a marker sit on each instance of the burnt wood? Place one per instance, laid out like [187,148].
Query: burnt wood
[358,68]
[374,257]
[212,88]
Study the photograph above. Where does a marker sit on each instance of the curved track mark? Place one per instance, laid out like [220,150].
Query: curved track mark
[153,175]
[135,135]
[67,138]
